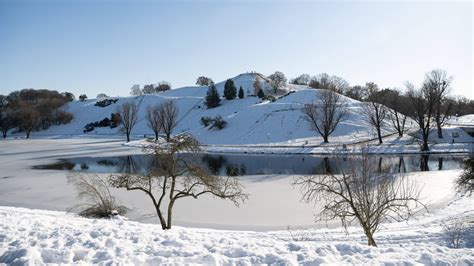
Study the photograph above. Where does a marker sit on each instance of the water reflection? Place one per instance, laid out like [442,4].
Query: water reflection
[248,164]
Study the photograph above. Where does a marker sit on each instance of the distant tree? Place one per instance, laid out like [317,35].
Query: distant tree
[153,119]
[422,110]
[399,107]
[302,79]
[230,91]
[6,116]
[128,117]
[102,96]
[212,98]
[176,177]
[163,86]
[326,82]
[148,89]
[257,85]
[169,117]
[438,83]
[241,92]
[375,112]
[204,81]
[277,80]
[135,90]
[82,97]
[29,119]
[357,92]
[325,115]
[69,96]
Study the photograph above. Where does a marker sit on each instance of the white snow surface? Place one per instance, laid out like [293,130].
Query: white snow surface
[36,237]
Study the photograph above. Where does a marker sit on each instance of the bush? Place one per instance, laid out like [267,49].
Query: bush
[218,123]
[100,202]
[454,232]
[106,102]
[206,121]
[466,181]
[106,122]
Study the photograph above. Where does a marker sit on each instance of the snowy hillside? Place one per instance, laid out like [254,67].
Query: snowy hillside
[250,121]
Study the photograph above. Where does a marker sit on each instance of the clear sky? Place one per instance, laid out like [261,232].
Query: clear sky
[86,46]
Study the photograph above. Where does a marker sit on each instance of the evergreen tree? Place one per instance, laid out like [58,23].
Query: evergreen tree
[261,94]
[230,91]
[212,98]
[241,93]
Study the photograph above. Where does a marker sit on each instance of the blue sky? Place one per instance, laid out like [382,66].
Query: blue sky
[107,46]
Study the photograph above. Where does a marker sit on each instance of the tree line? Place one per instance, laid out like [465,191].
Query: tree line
[31,109]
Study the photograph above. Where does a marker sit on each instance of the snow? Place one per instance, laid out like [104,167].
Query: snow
[38,237]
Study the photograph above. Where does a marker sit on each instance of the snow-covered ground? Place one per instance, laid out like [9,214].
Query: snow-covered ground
[38,236]
[35,237]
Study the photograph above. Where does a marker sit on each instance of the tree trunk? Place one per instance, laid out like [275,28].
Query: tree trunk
[128,137]
[425,142]
[170,212]
[160,216]
[440,131]
[168,137]
[325,139]
[156,135]
[28,132]
[379,134]
[4,133]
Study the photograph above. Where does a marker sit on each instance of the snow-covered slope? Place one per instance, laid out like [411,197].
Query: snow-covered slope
[250,121]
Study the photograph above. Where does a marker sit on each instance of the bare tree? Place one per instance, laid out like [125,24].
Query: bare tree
[302,79]
[5,116]
[277,80]
[398,109]
[29,119]
[423,105]
[128,117]
[438,83]
[177,177]
[204,81]
[375,112]
[257,85]
[325,114]
[153,117]
[168,113]
[135,90]
[362,194]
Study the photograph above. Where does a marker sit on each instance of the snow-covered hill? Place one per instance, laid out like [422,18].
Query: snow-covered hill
[250,121]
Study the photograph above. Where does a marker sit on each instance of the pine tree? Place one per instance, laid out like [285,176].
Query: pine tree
[241,93]
[230,91]
[212,98]
[261,94]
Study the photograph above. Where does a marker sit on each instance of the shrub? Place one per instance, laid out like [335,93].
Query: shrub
[206,121]
[106,122]
[99,201]
[218,123]
[106,102]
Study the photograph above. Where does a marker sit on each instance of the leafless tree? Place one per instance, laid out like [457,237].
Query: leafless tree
[375,112]
[438,83]
[362,194]
[326,82]
[277,80]
[153,118]
[326,113]
[135,90]
[257,85]
[128,117]
[423,105]
[29,119]
[204,81]
[6,116]
[399,107]
[168,113]
[177,177]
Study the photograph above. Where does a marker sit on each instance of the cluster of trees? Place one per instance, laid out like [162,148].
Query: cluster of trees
[150,88]
[428,106]
[31,109]
[162,117]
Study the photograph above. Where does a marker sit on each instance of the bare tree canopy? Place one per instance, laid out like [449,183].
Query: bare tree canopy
[302,79]
[375,112]
[257,85]
[438,83]
[177,177]
[423,105]
[277,80]
[153,119]
[128,117]
[362,194]
[204,81]
[326,82]
[168,113]
[325,114]
[399,107]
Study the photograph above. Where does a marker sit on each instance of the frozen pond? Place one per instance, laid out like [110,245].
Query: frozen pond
[273,203]
[259,164]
